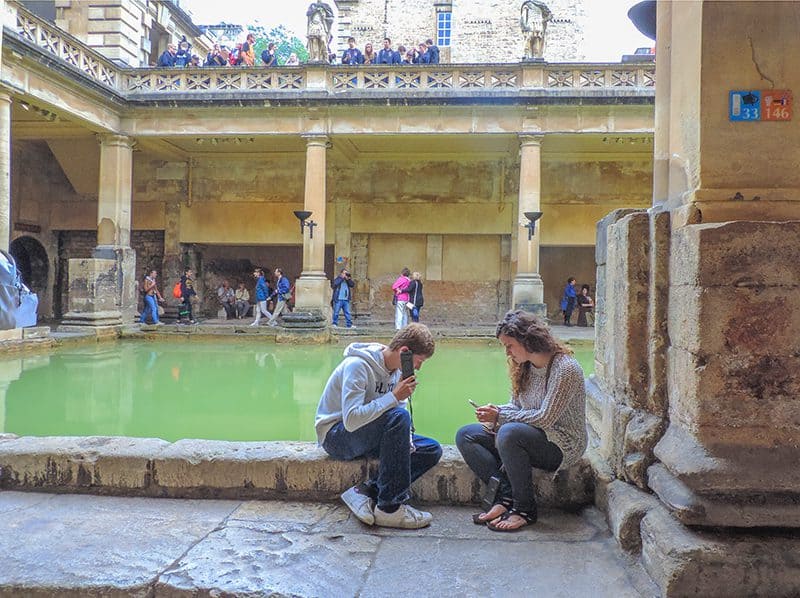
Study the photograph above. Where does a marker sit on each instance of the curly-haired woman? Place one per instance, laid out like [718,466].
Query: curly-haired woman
[543,426]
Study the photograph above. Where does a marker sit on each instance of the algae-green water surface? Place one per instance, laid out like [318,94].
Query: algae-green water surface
[225,390]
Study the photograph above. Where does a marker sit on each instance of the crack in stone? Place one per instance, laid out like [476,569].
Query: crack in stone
[755,62]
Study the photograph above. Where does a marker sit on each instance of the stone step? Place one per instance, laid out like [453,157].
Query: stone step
[218,469]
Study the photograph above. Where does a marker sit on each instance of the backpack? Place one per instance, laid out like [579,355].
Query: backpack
[17,304]
[176,290]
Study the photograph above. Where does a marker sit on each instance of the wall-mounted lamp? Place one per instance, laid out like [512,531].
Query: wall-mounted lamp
[531,226]
[303,216]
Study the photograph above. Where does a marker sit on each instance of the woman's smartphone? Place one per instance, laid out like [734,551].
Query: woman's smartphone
[406,364]
[473,403]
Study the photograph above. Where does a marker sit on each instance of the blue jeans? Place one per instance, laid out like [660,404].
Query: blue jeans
[150,305]
[388,439]
[516,447]
[415,314]
[343,305]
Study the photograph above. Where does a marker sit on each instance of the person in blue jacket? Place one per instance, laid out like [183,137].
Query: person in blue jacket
[387,55]
[283,293]
[568,300]
[342,295]
[167,59]
[352,55]
[262,296]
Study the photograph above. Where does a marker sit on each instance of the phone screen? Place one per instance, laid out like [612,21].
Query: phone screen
[407,364]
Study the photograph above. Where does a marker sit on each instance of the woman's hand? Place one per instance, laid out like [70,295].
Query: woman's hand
[488,414]
[405,388]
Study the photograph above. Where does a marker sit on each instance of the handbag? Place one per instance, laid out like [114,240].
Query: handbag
[410,306]
[160,310]
[394,299]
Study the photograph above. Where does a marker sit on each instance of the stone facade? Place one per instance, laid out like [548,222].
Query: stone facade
[482,31]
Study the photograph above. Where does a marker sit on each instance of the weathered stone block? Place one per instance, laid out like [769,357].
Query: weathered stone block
[642,433]
[601,245]
[77,464]
[736,254]
[626,508]
[684,562]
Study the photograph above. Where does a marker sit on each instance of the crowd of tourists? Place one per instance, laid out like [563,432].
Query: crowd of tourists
[243,54]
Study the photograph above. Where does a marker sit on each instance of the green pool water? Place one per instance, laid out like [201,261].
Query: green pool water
[224,390]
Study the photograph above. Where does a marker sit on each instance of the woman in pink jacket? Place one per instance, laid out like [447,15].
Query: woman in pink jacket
[400,289]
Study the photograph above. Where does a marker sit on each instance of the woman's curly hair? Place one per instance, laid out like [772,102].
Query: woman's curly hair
[533,334]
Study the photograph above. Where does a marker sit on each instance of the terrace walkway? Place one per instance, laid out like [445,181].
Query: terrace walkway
[105,546]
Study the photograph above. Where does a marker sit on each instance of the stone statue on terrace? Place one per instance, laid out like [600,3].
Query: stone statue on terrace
[533,19]
[320,24]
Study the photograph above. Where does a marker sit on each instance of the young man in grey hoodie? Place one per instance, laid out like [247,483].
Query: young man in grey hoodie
[362,414]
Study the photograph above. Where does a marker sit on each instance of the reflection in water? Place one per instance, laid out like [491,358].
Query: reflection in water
[222,390]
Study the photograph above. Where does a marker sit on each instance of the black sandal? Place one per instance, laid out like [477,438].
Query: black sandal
[528,517]
[503,502]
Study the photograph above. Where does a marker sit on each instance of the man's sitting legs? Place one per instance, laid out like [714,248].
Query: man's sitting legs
[388,438]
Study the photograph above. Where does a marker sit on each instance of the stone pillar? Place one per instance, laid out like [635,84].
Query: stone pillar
[5,170]
[312,289]
[528,290]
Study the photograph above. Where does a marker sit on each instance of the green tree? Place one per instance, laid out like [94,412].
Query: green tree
[284,40]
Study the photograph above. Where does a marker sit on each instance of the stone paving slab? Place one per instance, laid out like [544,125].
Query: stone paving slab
[77,545]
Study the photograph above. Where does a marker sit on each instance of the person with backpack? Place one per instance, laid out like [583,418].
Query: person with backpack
[151,297]
[187,292]
[269,57]
[262,296]
[283,292]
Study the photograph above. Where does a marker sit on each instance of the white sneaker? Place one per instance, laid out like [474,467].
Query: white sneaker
[406,517]
[254,324]
[360,505]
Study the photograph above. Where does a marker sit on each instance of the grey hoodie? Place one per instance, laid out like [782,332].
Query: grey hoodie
[358,391]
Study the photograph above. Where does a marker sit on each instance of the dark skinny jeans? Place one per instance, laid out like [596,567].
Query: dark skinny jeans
[517,448]
[389,439]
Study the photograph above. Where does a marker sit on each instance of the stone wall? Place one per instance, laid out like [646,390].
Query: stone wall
[482,30]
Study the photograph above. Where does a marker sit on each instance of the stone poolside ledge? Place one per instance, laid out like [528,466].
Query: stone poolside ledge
[123,466]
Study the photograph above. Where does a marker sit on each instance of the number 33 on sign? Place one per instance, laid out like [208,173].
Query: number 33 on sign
[755,105]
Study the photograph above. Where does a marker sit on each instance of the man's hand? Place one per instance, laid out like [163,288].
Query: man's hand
[405,388]
[487,414]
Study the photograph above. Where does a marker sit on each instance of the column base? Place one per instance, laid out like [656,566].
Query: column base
[313,293]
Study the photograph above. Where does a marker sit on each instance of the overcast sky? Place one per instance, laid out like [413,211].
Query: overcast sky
[609,32]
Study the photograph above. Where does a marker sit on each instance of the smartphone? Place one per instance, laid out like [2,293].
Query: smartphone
[406,364]
[473,403]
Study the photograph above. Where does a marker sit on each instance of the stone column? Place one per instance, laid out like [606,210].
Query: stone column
[103,288]
[312,289]
[528,290]
[5,171]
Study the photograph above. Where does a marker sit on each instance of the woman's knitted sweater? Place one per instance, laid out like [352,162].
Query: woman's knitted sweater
[560,411]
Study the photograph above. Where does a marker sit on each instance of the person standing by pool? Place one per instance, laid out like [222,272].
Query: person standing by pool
[400,290]
[151,298]
[342,294]
[415,298]
[262,296]
[543,426]
[362,413]
[568,300]
[282,293]
[187,294]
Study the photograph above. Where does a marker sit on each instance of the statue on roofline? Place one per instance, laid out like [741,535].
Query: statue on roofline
[533,19]
[320,24]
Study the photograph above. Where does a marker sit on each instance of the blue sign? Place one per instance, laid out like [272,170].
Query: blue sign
[745,105]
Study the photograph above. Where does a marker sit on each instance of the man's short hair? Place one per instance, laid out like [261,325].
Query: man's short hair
[386,39]
[351,39]
[429,41]
[417,338]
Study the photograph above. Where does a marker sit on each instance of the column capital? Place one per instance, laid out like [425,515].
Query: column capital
[5,97]
[317,139]
[114,139]
[528,139]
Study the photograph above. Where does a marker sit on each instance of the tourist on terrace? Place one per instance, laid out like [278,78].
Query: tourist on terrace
[269,57]
[352,55]
[400,298]
[370,57]
[167,59]
[247,55]
[387,55]
[415,298]
[151,298]
[242,301]
[187,295]
[262,295]
[433,52]
[183,56]
[568,300]
[421,55]
[585,307]
[543,425]
[292,60]
[362,413]
[227,299]
[215,58]
[282,293]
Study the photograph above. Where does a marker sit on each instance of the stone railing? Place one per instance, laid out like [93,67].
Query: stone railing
[149,82]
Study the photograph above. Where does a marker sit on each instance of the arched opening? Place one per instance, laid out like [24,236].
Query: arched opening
[32,263]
